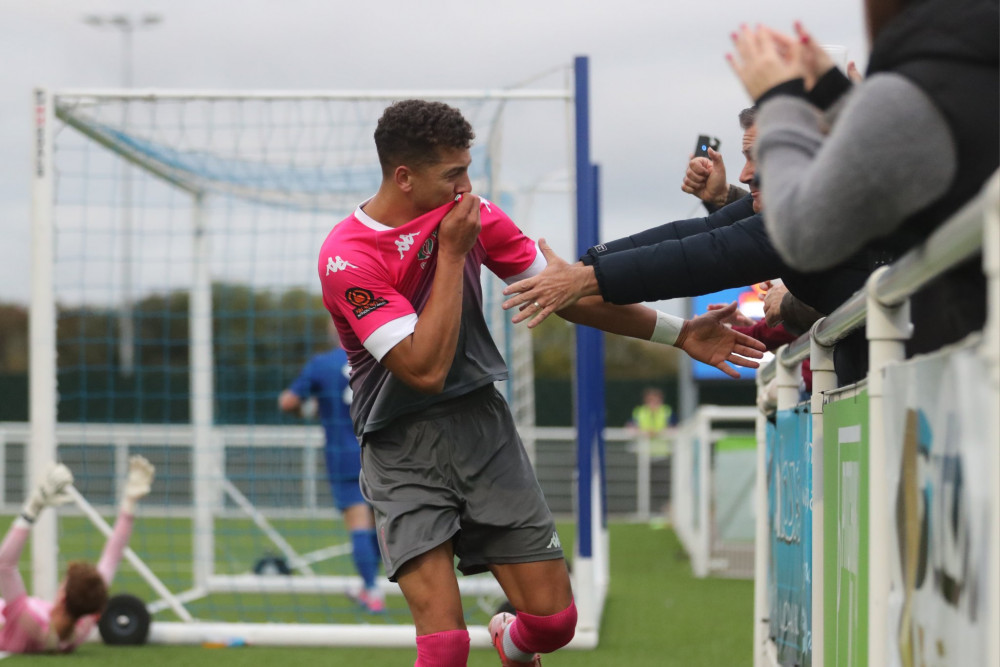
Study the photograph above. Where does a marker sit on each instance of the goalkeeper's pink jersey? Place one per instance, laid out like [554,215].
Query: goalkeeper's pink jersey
[26,620]
[377,279]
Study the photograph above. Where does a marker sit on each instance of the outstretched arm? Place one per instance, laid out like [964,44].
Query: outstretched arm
[732,256]
[558,286]
[571,295]
[11,584]
[704,338]
[137,485]
[51,490]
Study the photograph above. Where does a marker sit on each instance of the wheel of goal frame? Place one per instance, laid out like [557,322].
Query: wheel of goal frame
[125,621]
[271,565]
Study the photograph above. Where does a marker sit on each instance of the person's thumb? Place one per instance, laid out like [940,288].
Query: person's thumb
[547,252]
[724,312]
[716,157]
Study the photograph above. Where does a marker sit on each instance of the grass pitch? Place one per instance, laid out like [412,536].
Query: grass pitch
[657,615]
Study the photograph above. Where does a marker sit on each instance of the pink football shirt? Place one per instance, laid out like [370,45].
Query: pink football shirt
[376,280]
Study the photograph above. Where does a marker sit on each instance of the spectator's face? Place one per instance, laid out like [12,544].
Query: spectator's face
[437,184]
[750,168]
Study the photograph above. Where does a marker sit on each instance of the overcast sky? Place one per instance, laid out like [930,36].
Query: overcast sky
[658,73]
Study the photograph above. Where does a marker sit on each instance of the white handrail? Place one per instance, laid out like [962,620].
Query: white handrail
[957,240]
[882,305]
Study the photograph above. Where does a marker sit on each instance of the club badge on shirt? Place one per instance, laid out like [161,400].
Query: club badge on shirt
[427,249]
[364,301]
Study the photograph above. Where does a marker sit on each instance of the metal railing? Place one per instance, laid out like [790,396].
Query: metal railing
[883,307]
[950,245]
[292,480]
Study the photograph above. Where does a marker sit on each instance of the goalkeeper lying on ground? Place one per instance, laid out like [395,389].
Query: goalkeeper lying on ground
[32,625]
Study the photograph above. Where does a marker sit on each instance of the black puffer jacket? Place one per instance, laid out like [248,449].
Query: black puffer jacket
[729,248]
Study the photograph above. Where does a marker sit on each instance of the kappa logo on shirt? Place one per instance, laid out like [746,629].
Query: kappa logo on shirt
[337,264]
[405,242]
[364,301]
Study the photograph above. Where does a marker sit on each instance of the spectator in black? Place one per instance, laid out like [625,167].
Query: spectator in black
[729,248]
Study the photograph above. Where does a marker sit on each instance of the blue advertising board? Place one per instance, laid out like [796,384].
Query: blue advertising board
[789,482]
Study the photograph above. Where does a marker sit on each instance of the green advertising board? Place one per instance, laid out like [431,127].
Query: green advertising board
[845,530]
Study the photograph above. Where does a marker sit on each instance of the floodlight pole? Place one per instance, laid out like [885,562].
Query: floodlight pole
[127,26]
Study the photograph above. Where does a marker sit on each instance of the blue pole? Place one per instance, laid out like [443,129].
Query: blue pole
[597,357]
[589,386]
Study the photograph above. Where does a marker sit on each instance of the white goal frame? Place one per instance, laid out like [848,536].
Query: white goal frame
[590,572]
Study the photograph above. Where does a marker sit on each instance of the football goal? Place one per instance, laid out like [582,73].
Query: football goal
[175,237]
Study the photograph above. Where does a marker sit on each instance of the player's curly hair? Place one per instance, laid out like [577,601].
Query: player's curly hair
[410,132]
[85,591]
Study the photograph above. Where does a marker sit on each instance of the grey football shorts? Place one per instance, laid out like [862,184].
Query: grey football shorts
[456,471]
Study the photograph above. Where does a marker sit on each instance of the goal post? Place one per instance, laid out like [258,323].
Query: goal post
[197,216]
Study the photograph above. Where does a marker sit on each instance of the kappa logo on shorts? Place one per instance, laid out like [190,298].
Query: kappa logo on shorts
[364,301]
[554,543]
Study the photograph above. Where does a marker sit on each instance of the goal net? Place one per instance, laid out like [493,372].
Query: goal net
[175,240]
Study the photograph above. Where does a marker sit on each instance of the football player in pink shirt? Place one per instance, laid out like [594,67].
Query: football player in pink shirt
[33,625]
[442,464]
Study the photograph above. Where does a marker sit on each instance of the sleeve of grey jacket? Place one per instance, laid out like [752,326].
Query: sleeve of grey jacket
[889,154]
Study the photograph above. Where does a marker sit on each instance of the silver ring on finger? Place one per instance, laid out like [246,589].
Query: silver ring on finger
[538,305]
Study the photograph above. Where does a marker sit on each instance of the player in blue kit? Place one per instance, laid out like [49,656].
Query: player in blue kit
[323,387]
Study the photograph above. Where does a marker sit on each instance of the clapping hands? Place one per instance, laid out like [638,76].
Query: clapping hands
[765,58]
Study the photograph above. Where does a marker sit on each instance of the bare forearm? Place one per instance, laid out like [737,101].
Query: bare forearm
[634,321]
[423,359]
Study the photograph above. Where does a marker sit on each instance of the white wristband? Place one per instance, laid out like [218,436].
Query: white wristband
[667,329]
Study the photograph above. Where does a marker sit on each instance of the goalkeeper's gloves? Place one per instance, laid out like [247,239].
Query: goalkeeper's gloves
[50,491]
[138,483]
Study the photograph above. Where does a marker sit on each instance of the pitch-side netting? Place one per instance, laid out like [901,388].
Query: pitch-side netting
[175,241]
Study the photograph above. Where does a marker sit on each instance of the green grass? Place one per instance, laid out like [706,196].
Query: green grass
[657,615]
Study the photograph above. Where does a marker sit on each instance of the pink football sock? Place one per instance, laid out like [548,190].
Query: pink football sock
[449,648]
[544,634]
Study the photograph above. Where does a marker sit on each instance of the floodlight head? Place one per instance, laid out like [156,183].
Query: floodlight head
[151,19]
[120,20]
[94,20]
